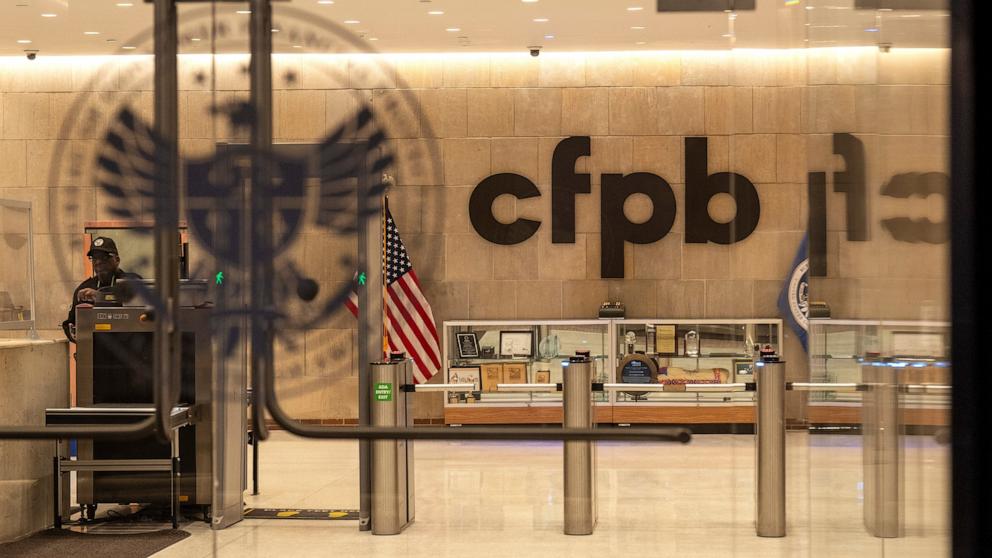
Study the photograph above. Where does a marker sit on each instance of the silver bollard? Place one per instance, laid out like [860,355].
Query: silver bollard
[392,460]
[882,452]
[580,456]
[770,435]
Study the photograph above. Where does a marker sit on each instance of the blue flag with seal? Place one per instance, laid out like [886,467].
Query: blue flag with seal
[793,301]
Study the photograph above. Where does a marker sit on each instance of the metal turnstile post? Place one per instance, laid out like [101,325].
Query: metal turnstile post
[392,460]
[770,437]
[580,456]
[882,451]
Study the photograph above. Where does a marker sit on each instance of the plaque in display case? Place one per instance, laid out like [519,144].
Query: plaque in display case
[542,377]
[664,339]
[468,345]
[516,343]
[464,375]
[514,373]
[743,367]
[492,374]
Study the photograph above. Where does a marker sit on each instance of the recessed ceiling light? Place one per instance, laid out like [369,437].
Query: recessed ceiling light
[373,38]
[124,4]
[549,36]
[540,20]
[49,15]
[453,29]
[243,12]
[195,39]
[635,9]
[352,21]
[435,12]
[529,1]
[128,47]
[641,43]
[23,41]
[91,32]
[325,1]
[297,46]
[274,30]
[638,27]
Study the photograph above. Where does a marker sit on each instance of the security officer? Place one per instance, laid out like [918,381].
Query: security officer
[105,260]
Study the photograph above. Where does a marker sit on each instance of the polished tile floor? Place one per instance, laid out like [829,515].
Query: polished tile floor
[505,499]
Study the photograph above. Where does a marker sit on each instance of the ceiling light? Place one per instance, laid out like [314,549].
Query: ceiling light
[435,12]
[549,36]
[373,38]
[243,12]
[49,15]
[641,43]
[23,41]
[325,1]
[634,9]
[540,20]
[297,46]
[91,32]
[195,39]
[638,27]
[453,29]
[529,1]
[124,4]
[352,21]
[128,47]
[274,30]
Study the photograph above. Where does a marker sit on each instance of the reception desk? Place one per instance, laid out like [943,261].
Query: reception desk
[33,375]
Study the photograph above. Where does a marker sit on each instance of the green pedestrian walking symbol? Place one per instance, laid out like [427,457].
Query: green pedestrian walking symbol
[361,278]
[219,277]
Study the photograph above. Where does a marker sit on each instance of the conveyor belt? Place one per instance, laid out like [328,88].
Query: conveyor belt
[181,415]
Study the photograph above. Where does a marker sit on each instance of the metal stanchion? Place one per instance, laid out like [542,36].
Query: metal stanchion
[580,456]
[392,460]
[770,435]
[882,457]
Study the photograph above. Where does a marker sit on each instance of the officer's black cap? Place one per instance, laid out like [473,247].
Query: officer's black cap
[102,244]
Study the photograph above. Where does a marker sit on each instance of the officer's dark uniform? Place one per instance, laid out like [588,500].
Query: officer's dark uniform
[100,244]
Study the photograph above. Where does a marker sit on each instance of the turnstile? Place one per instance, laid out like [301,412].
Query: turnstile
[882,451]
[579,455]
[769,483]
[392,460]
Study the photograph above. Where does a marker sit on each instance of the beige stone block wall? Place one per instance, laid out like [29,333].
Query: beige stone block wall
[35,375]
[453,120]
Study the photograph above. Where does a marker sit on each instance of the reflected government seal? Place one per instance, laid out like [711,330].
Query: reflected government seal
[356,139]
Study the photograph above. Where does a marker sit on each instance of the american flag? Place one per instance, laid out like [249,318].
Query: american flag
[409,320]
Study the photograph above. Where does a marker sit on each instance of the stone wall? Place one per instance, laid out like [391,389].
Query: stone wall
[453,120]
[33,377]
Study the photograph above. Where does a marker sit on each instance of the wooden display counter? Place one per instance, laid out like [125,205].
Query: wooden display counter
[617,414]
[851,414]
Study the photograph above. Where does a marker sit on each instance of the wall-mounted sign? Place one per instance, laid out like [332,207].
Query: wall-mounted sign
[616,228]
[700,187]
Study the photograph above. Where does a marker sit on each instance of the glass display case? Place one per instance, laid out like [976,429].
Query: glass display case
[839,349]
[693,351]
[489,353]
[17,285]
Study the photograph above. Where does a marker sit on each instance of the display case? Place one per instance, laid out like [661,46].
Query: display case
[17,285]
[690,352]
[840,349]
[489,353]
